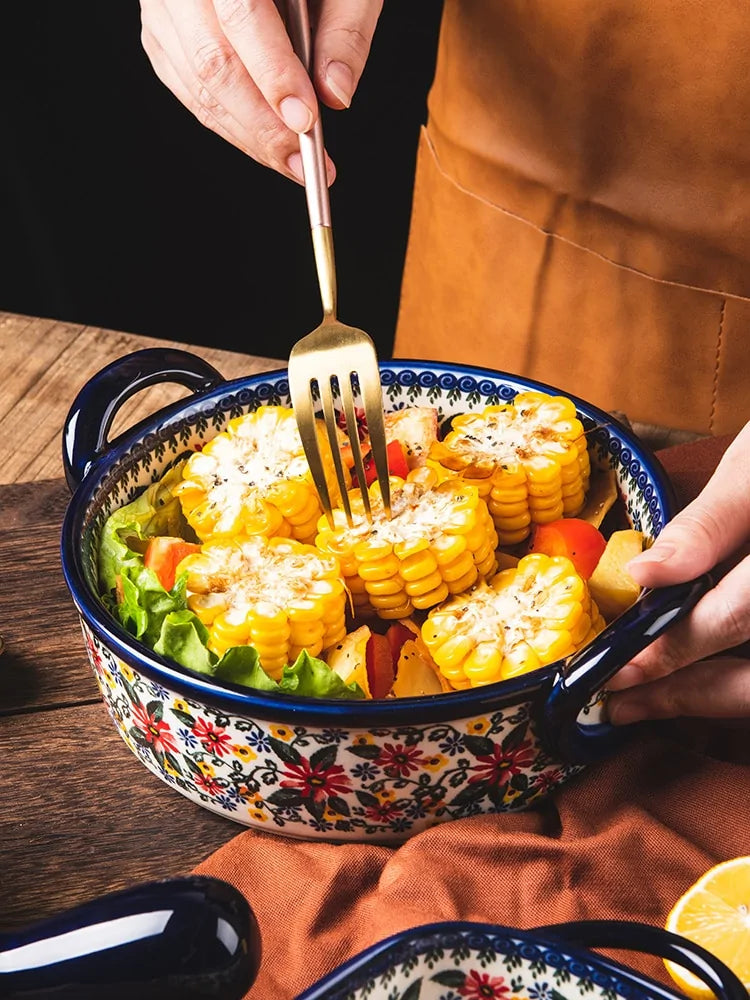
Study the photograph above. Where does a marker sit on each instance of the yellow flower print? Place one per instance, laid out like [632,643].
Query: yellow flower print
[244,753]
[126,672]
[436,762]
[363,740]
[284,733]
[205,768]
[171,770]
[256,807]
[478,727]
[387,795]
[180,706]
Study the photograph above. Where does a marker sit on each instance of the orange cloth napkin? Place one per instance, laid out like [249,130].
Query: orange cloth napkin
[622,840]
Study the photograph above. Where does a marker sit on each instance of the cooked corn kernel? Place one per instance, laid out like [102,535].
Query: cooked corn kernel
[528,460]
[439,541]
[525,617]
[253,479]
[277,595]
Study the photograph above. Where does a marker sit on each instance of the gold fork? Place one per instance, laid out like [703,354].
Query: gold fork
[332,353]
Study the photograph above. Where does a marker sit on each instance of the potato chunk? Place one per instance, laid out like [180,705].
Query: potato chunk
[610,585]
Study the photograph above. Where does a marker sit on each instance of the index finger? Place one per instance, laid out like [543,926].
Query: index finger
[258,35]
[709,529]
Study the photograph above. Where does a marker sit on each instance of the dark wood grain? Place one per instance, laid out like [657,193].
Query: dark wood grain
[80,815]
[44,662]
[39,385]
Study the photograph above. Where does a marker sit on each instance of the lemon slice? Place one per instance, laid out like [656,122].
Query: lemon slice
[715,913]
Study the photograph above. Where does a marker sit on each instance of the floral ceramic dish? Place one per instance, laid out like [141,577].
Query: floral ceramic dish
[376,770]
[471,961]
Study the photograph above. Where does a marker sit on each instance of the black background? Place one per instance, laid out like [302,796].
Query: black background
[120,210]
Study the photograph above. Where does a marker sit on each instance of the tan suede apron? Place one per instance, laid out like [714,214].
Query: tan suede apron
[582,203]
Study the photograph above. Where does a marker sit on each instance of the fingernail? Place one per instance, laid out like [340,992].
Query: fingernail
[294,163]
[296,114]
[330,171]
[340,81]
[656,554]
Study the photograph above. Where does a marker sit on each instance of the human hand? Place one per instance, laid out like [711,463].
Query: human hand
[231,63]
[680,673]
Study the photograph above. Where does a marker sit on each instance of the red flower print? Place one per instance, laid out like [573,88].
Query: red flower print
[501,764]
[157,733]
[316,782]
[96,656]
[384,812]
[214,739]
[482,986]
[547,781]
[399,761]
[207,784]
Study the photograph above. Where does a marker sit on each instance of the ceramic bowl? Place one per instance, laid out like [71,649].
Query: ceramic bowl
[378,770]
[472,961]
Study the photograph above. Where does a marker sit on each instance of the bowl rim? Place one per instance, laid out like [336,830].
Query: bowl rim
[375,960]
[305,710]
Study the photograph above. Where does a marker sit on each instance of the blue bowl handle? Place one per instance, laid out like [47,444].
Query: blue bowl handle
[585,673]
[651,940]
[185,938]
[90,417]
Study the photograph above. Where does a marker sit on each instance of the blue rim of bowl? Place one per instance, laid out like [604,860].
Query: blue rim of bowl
[292,708]
[374,961]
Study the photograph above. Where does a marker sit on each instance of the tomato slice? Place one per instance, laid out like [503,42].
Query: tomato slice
[397,464]
[380,668]
[579,540]
[397,635]
[164,554]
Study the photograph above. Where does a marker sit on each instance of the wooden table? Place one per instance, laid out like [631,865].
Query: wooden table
[80,816]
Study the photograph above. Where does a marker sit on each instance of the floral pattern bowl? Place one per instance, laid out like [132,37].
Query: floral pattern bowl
[472,961]
[376,770]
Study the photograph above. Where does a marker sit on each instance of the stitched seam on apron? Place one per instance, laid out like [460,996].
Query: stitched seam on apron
[715,390]
[572,243]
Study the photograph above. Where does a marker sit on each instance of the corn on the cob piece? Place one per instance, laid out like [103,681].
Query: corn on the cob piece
[523,618]
[253,479]
[528,459]
[439,541]
[277,595]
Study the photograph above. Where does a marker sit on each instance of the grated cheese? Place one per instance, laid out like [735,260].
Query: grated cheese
[249,572]
[417,512]
[511,434]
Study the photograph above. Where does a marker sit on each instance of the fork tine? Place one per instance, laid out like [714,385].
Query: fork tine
[300,391]
[372,397]
[352,429]
[329,413]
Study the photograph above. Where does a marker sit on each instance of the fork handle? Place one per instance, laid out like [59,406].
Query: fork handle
[312,150]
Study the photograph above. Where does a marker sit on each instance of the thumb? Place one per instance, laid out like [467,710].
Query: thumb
[708,530]
[342,44]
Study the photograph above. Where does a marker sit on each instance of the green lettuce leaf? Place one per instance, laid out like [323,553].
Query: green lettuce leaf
[145,603]
[127,530]
[183,638]
[313,678]
[241,665]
